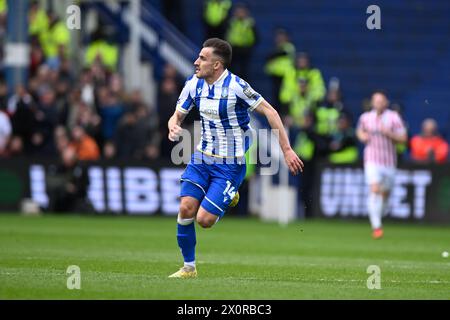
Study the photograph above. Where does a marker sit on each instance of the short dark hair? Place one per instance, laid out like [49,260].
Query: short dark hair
[221,48]
[379,91]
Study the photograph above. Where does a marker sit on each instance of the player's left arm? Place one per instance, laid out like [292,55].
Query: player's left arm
[293,162]
[397,132]
[396,137]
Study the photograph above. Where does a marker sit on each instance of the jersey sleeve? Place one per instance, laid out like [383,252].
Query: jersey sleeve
[244,91]
[397,124]
[185,101]
[361,123]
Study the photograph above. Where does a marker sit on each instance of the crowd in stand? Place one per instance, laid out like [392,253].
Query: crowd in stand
[88,111]
[320,125]
[91,112]
[317,114]
[88,115]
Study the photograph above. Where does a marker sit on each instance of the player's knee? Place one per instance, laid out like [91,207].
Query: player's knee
[375,188]
[204,222]
[187,210]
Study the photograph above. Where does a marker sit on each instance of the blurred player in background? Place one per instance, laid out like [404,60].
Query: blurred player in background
[380,129]
[217,168]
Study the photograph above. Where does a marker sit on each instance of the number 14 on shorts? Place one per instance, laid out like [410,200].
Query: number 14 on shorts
[229,192]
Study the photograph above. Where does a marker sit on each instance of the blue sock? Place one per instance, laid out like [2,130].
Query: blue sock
[186,241]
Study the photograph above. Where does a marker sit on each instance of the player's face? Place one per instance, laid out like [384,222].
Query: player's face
[206,63]
[379,102]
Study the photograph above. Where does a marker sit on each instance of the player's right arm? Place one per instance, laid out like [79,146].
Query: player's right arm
[361,132]
[184,105]
[362,135]
[174,125]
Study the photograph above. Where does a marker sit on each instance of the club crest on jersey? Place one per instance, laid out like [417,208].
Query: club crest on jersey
[248,91]
[243,83]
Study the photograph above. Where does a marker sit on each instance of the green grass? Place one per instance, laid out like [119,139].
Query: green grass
[131,257]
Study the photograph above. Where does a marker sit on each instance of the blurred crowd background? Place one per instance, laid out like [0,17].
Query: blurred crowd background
[78,104]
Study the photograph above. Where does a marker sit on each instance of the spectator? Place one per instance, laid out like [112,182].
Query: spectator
[61,139]
[62,100]
[87,87]
[3,13]
[326,119]
[110,111]
[167,99]
[3,16]
[127,139]
[241,34]
[36,56]
[215,16]
[301,103]
[116,85]
[169,72]
[16,147]
[109,150]
[65,72]
[147,124]
[343,146]
[3,96]
[134,100]
[5,132]
[278,62]
[137,135]
[55,41]
[75,104]
[46,116]
[99,74]
[429,147]
[305,140]
[303,70]
[89,120]
[67,185]
[42,79]
[23,120]
[327,113]
[102,50]
[38,20]
[85,147]
[34,88]
[20,98]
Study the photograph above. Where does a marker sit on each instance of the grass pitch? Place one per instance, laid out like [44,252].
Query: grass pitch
[131,257]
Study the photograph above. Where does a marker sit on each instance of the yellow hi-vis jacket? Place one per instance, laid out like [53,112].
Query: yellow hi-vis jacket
[216,11]
[241,33]
[289,85]
[52,38]
[280,65]
[108,53]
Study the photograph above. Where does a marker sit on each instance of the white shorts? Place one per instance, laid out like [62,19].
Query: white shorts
[384,176]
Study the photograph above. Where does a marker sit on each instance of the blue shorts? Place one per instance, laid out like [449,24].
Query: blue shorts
[212,182]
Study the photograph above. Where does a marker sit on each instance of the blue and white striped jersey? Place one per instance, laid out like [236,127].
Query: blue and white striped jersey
[224,113]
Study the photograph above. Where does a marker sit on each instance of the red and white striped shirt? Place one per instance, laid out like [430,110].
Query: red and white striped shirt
[380,150]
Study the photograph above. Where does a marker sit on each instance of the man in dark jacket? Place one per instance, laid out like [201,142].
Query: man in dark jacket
[67,185]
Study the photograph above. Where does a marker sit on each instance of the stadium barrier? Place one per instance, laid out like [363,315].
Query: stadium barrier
[420,193]
[129,187]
